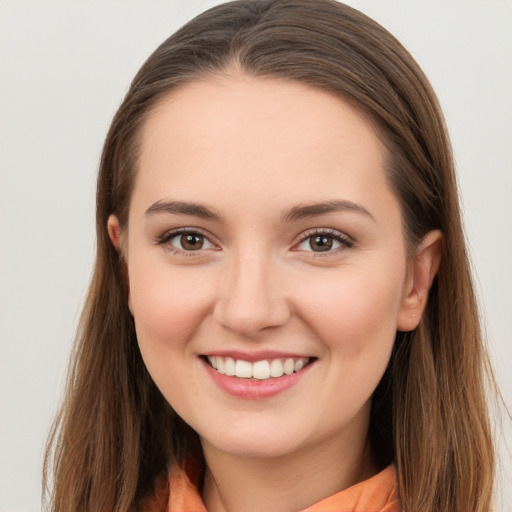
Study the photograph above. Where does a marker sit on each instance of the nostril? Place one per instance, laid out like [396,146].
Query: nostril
[247,314]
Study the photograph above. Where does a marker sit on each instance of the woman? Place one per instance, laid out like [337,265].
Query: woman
[281,315]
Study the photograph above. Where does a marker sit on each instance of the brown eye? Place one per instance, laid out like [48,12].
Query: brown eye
[324,241]
[321,243]
[191,241]
[186,241]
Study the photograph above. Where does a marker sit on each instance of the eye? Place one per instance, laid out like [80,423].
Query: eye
[186,241]
[324,241]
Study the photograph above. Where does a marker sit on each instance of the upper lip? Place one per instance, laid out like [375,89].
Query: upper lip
[254,356]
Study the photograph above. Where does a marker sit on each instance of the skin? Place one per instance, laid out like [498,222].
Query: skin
[249,150]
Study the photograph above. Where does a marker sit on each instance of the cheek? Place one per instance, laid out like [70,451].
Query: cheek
[168,305]
[355,309]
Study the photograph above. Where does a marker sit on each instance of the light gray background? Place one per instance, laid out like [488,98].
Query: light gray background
[64,69]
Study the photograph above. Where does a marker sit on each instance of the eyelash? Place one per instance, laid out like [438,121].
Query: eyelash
[166,238]
[344,241]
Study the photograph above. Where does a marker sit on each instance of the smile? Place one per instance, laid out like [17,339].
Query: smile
[257,376]
[260,370]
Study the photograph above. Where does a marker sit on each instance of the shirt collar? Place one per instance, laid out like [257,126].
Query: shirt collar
[377,494]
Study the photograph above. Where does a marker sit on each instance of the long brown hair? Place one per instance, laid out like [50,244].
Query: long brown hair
[115,432]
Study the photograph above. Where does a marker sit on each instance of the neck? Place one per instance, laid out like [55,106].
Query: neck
[286,483]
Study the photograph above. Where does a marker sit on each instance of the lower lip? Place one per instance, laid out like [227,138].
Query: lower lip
[255,389]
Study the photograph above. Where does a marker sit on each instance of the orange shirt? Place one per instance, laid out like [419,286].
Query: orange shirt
[377,494]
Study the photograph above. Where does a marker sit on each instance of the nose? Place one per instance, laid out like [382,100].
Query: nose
[251,296]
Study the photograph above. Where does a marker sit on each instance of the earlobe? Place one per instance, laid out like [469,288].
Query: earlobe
[423,270]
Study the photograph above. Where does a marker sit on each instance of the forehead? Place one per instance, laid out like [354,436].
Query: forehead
[232,134]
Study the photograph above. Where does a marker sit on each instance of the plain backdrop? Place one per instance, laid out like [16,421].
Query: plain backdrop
[64,67]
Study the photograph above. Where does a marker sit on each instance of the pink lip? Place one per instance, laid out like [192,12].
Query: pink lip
[252,357]
[254,389]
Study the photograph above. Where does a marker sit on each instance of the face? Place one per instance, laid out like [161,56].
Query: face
[266,263]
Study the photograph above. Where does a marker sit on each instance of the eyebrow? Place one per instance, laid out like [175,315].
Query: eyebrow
[184,208]
[301,211]
[323,208]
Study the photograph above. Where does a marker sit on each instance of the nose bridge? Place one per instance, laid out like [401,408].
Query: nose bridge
[250,298]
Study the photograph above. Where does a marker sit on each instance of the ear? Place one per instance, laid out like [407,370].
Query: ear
[422,271]
[114,232]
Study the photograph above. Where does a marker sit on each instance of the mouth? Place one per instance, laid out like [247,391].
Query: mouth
[262,370]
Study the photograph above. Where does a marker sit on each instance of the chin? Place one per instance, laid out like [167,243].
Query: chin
[256,445]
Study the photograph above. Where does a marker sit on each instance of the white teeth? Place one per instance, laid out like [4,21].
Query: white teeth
[288,366]
[261,370]
[229,366]
[298,365]
[243,369]
[276,368]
